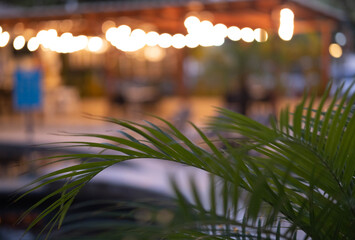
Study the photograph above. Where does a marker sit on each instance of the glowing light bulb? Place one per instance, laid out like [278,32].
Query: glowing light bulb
[221,30]
[95,44]
[80,42]
[286,24]
[234,33]
[52,33]
[112,34]
[260,35]
[165,40]
[136,40]
[335,50]
[205,33]
[50,39]
[192,41]
[124,30]
[66,35]
[286,14]
[178,41]
[33,44]
[19,42]
[139,34]
[121,38]
[191,23]
[41,36]
[152,39]
[247,34]
[4,39]
[64,44]
[206,25]
[218,41]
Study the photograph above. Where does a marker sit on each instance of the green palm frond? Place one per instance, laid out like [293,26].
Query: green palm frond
[268,181]
[320,185]
[162,220]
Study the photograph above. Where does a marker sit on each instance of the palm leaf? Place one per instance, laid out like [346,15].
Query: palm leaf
[300,170]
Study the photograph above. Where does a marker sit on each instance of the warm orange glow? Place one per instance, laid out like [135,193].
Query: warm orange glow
[154,54]
[107,25]
[335,50]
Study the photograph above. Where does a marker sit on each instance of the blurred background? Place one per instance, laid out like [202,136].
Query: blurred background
[175,59]
[178,59]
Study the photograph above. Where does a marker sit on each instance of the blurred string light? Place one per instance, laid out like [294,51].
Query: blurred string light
[111,34]
[19,42]
[260,35]
[33,44]
[192,40]
[81,42]
[137,39]
[4,38]
[131,42]
[204,31]
[234,33]
[178,41]
[191,23]
[286,24]
[221,30]
[247,34]
[95,44]
[165,40]
[66,43]
[335,50]
[152,39]
[200,33]
[48,39]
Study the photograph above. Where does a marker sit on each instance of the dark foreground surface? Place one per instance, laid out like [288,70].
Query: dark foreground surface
[95,195]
